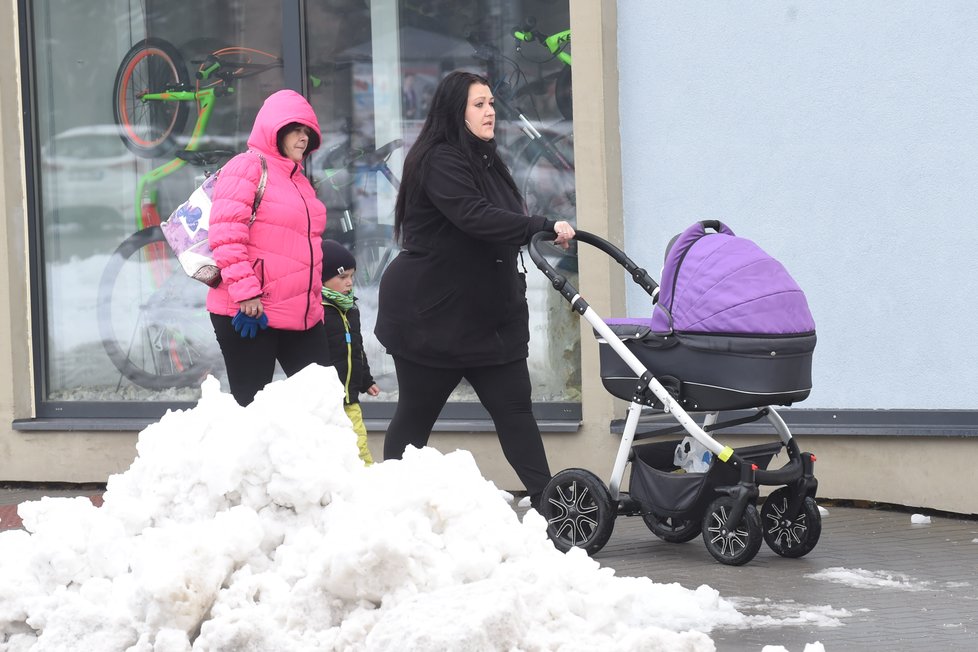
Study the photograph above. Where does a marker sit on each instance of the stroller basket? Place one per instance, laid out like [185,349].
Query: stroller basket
[711,372]
[660,487]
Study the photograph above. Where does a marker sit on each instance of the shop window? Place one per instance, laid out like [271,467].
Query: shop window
[121,324]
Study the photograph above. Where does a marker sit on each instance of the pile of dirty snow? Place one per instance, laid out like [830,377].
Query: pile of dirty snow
[259,528]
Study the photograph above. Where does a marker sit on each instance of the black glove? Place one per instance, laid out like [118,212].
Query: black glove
[248,326]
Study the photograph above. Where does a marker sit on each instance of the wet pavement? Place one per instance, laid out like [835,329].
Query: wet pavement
[899,586]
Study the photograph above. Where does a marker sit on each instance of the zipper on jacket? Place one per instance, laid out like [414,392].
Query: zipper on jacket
[349,348]
[312,266]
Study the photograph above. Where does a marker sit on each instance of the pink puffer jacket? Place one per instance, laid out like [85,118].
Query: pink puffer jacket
[279,257]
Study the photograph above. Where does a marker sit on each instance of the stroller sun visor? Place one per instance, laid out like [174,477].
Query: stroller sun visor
[719,283]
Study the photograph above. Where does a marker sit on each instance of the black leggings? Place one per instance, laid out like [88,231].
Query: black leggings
[505,393]
[250,362]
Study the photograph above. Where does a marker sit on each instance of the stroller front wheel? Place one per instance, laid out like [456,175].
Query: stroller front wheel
[790,537]
[579,511]
[731,545]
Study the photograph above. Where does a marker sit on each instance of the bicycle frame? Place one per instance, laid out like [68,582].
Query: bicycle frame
[222,73]
[146,212]
[556,43]
[552,153]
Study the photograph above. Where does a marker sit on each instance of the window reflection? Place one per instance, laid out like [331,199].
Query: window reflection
[370,71]
[386,63]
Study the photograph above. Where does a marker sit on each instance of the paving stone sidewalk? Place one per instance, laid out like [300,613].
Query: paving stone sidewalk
[920,593]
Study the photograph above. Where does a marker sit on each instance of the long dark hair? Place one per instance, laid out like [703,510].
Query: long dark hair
[445,123]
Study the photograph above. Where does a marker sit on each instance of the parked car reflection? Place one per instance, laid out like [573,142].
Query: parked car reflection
[88,183]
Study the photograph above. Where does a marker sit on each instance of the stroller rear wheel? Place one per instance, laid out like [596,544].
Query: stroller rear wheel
[735,545]
[579,511]
[790,537]
[672,529]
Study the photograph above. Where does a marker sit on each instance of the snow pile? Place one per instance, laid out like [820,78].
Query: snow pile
[259,528]
[809,647]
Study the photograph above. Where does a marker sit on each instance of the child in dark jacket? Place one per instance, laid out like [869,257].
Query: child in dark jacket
[342,318]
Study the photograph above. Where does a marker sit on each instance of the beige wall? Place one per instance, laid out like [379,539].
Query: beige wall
[45,456]
[13,287]
[919,472]
[933,472]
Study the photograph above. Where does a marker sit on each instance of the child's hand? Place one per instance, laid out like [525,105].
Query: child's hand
[373,390]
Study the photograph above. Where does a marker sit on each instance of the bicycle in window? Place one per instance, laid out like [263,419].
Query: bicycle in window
[152,318]
[543,163]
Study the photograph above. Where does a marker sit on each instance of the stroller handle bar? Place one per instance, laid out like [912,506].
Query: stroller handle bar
[566,289]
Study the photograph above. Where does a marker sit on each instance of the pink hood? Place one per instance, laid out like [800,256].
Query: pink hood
[279,256]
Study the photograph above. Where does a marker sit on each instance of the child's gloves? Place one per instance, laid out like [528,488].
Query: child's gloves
[248,326]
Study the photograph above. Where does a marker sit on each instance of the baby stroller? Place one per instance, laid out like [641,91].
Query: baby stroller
[730,330]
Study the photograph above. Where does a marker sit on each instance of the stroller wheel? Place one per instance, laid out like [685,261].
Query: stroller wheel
[735,545]
[790,537]
[579,511]
[672,529]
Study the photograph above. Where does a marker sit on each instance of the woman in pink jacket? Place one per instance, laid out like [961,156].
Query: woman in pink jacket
[267,306]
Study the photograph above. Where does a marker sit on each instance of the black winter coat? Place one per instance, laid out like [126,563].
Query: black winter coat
[347,356]
[454,297]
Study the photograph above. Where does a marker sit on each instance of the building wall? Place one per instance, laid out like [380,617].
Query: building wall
[911,471]
[843,138]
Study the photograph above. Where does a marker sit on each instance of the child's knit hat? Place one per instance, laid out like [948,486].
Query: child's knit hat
[336,259]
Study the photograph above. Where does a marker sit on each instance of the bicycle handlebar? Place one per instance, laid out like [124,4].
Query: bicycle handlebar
[556,43]
[560,282]
[374,160]
[380,155]
[484,51]
[527,32]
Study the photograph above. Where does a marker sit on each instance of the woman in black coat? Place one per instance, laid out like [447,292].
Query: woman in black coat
[453,303]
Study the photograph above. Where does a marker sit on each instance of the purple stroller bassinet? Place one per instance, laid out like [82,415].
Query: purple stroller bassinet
[731,329]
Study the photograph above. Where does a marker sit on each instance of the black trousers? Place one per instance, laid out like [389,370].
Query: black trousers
[250,362]
[505,393]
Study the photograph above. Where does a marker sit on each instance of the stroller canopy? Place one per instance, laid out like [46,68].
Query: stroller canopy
[719,283]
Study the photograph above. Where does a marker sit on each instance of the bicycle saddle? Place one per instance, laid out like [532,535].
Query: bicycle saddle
[205,157]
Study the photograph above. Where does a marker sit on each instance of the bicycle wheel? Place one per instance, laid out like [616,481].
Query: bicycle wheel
[563,94]
[151,66]
[151,316]
[548,186]
[374,248]
[548,183]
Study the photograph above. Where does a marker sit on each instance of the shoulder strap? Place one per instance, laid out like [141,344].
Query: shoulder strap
[261,188]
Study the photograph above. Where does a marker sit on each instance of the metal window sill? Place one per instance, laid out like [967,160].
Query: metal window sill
[834,423]
[373,425]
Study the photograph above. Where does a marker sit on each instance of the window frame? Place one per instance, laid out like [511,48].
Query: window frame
[128,415]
